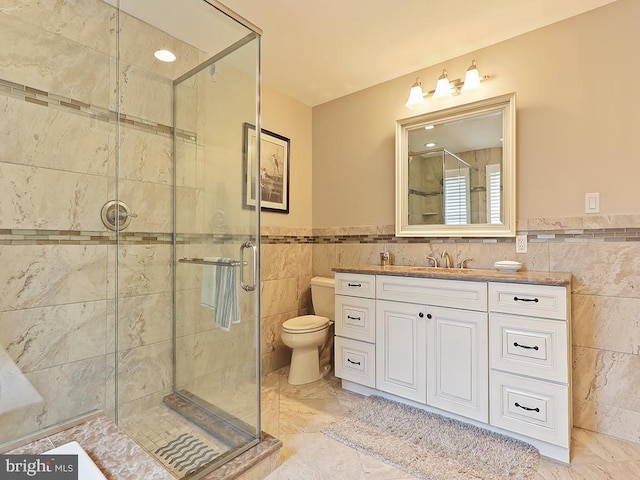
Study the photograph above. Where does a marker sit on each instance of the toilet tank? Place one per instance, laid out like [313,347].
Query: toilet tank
[322,290]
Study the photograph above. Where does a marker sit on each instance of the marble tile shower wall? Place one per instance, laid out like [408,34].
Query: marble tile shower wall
[57,168]
[603,254]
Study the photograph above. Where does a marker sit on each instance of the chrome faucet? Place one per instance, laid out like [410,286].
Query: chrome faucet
[446,260]
[463,263]
[434,260]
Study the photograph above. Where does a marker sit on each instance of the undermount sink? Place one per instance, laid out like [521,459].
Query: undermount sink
[432,269]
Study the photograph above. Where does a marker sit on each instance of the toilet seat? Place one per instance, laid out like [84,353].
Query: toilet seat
[305,324]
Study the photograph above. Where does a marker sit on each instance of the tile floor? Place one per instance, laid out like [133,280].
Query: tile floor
[297,415]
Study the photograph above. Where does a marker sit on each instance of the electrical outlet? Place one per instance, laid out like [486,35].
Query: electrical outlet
[521,244]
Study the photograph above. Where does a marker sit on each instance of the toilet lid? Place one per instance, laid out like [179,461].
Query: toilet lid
[305,324]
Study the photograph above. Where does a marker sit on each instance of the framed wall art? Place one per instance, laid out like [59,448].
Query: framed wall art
[274,170]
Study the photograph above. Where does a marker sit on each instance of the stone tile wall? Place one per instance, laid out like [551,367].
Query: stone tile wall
[53,181]
[58,166]
[286,271]
[603,254]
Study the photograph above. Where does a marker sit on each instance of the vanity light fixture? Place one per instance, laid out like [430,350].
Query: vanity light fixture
[446,87]
[165,56]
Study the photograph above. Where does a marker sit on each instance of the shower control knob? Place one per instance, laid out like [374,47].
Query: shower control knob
[116,214]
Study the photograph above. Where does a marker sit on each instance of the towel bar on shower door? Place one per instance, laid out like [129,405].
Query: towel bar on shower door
[202,261]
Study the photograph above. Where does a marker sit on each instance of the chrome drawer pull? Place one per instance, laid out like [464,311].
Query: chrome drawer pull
[354,284]
[525,299]
[353,318]
[527,408]
[351,361]
[535,347]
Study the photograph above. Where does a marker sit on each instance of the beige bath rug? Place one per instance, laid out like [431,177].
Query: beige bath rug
[430,446]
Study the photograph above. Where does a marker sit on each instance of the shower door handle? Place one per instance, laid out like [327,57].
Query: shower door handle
[254,252]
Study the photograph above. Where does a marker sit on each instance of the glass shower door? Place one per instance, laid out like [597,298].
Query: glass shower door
[187,372]
[217,375]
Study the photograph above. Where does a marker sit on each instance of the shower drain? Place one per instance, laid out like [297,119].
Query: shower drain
[186,453]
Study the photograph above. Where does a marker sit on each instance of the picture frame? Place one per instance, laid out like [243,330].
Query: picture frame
[274,170]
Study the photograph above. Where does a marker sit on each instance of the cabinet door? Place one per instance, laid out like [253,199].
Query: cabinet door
[401,350]
[457,362]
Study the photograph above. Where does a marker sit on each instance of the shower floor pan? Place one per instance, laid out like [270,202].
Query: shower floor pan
[181,446]
[186,437]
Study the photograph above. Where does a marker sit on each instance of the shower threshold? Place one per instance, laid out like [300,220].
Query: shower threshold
[224,427]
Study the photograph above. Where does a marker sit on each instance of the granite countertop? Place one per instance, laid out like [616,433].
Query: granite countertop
[470,274]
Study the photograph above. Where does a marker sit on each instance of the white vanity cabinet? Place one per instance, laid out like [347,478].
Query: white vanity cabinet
[470,345]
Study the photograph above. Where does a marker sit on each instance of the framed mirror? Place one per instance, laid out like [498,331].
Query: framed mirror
[456,171]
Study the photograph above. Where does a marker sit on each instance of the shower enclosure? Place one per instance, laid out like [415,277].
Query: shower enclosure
[123,311]
[454,188]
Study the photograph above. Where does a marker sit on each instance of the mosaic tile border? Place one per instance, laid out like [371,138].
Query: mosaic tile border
[47,99]
[541,236]
[77,237]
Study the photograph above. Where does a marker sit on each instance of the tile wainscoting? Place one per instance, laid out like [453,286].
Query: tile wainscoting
[601,251]
[286,271]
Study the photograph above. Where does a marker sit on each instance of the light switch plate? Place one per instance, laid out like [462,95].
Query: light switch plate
[591,203]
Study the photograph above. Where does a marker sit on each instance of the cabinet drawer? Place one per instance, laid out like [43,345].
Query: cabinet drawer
[529,346]
[530,407]
[432,291]
[355,361]
[356,285]
[532,300]
[355,318]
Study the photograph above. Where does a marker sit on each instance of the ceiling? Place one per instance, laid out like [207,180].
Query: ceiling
[462,135]
[317,51]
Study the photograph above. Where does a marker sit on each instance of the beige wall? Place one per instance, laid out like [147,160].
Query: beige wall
[575,130]
[287,117]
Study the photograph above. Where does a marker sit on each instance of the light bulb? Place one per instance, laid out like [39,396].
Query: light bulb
[165,56]
[472,77]
[443,87]
[416,95]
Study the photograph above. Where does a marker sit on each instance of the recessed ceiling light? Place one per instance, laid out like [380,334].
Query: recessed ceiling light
[430,144]
[165,56]
[429,127]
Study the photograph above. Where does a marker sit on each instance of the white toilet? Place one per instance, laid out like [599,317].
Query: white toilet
[309,335]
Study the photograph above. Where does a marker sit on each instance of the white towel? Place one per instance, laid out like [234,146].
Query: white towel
[220,292]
